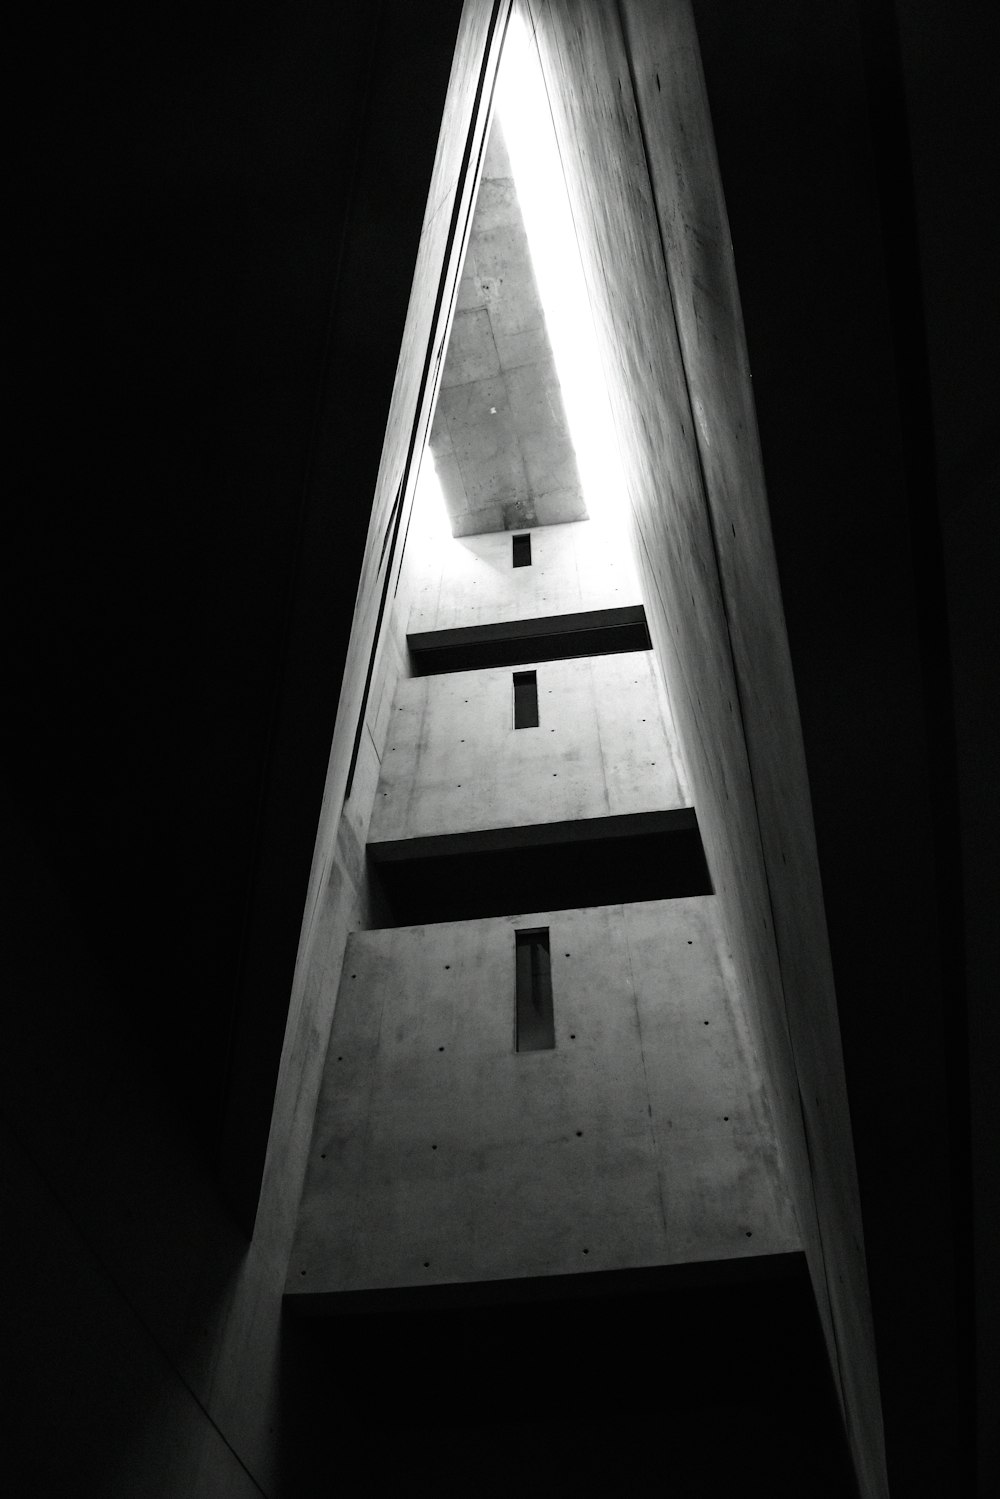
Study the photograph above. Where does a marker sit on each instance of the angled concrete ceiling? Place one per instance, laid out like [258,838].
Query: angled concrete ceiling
[500,440]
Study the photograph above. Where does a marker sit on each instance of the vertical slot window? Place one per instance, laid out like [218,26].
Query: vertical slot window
[535,1024]
[525,700]
[521,550]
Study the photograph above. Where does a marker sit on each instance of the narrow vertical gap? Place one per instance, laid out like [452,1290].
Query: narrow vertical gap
[521,550]
[525,700]
[534,1018]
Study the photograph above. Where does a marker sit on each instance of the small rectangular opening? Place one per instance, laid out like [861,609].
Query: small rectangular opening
[521,550]
[525,700]
[535,1028]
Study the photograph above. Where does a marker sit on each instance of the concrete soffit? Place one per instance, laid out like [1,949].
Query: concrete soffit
[500,441]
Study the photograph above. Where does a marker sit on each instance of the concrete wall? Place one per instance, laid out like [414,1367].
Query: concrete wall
[500,440]
[577,566]
[442,1155]
[453,761]
[633,124]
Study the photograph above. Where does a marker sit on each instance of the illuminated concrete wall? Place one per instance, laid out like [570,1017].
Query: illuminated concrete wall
[500,439]
[453,760]
[632,117]
[575,567]
[441,1154]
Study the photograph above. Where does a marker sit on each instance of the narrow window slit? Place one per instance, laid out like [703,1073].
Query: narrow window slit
[521,550]
[525,700]
[535,1023]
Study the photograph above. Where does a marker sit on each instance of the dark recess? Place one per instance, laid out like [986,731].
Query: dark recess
[525,700]
[556,637]
[544,1386]
[506,871]
[535,1028]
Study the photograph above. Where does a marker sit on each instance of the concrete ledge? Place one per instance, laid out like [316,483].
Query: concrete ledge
[508,871]
[701,1275]
[698,1379]
[534,835]
[552,637]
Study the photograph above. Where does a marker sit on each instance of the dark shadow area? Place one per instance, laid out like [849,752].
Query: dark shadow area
[208,200]
[695,1380]
[879,128]
[597,861]
[555,637]
[118,1257]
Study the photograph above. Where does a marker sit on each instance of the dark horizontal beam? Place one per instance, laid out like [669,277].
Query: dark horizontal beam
[745,1270]
[554,637]
[519,1369]
[597,861]
[531,835]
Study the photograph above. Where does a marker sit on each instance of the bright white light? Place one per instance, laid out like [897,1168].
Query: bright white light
[430,512]
[524,115]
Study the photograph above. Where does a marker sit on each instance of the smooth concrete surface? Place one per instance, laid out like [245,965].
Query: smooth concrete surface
[670,100]
[440,1154]
[500,441]
[835,261]
[453,760]
[337,900]
[636,140]
[471,581]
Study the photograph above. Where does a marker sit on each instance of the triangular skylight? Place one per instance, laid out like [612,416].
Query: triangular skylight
[522,433]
